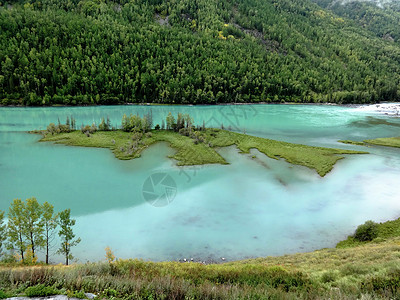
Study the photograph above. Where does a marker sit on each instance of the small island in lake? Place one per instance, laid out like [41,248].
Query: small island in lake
[387,142]
[193,145]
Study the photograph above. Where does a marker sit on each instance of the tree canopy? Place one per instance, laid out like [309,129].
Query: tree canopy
[101,52]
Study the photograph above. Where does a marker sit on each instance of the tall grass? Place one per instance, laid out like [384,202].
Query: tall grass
[370,271]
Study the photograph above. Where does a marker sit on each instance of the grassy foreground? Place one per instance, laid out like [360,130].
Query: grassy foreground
[388,142]
[369,271]
[130,145]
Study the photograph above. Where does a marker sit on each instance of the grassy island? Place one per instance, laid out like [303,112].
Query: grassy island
[387,142]
[194,146]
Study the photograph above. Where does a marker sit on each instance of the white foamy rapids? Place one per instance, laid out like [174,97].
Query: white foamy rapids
[392,109]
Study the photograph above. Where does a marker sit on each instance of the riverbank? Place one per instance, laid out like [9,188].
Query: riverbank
[355,105]
[202,149]
[367,271]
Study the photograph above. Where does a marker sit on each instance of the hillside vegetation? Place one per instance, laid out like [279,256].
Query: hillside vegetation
[381,18]
[183,51]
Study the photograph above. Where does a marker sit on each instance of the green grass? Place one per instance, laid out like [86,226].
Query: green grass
[369,271]
[386,230]
[364,271]
[352,142]
[388,142]
[124,146]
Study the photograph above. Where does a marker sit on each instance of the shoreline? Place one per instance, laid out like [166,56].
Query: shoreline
[211,104]
[351,105]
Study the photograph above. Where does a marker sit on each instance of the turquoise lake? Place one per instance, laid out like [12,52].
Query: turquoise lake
[252,207]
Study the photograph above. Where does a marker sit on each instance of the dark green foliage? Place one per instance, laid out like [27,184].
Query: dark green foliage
[382,20]
[41,290]
[366,232]
[387,285]
[386,230]
[98,52]
[77,294]
[4,295]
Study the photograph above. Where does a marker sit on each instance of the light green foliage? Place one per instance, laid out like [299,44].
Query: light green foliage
[369,271]
[105,126]
[41,290]
[66,234]
[49,221]
[170,121]
[16,227]
[388,142]
[33,224]
[136,123]
[3,232]
[53,129]
[352,142]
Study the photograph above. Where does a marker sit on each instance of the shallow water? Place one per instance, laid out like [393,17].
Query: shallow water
[256,206]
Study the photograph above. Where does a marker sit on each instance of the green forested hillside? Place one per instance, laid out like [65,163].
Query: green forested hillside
[382,18]
[184,51]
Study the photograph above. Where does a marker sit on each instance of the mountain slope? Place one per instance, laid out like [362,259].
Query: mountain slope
[96,52]
[382,18]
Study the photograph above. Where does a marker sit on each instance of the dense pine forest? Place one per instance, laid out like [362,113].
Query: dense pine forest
[89,52]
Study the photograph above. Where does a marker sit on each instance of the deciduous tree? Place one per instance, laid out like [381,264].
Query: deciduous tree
[66,234]
[16,227]
[49,226]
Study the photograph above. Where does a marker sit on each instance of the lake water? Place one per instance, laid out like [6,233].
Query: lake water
[249,208]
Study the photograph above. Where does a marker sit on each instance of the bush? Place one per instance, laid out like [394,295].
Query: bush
[89,129]
[4,295]
[63,128]
[41,290]
[51,129]
[105,126]
[366,232]
[77,294]
[328,276]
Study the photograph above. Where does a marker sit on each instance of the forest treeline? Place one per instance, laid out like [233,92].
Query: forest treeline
[92,52]
[31,227]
